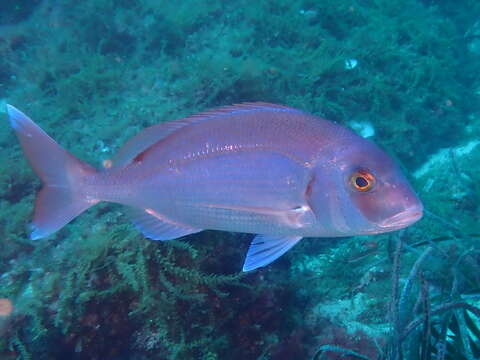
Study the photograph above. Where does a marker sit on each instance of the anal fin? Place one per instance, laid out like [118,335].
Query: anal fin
[157,227]
[264,249]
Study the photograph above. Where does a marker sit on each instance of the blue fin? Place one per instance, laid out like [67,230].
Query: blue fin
[266,248]
[157,227]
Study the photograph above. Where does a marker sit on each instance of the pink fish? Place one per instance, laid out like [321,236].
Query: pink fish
[255,168]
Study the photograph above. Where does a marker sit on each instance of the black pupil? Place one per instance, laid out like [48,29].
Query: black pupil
[361,182]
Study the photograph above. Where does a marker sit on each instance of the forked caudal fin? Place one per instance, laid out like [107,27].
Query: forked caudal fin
[62,197]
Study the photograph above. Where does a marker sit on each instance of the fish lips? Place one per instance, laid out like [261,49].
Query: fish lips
[402,219]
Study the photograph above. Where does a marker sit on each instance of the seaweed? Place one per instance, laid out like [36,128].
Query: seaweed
[115,278]
[424,325]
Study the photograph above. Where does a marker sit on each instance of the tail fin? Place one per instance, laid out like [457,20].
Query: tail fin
[62,197]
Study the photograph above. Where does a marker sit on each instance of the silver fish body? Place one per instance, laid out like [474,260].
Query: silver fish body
[256,168]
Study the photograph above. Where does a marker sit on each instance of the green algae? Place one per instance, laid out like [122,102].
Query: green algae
[98,288]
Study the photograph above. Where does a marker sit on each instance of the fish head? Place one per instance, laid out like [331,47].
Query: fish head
[369,192]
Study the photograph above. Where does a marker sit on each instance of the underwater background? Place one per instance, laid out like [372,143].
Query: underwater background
[405,73]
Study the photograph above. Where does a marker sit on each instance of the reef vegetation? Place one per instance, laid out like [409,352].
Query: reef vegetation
[95,72]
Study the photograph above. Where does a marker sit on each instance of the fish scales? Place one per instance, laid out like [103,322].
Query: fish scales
[223,161]
[257,168]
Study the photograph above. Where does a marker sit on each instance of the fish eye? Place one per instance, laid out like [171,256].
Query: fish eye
[362,180]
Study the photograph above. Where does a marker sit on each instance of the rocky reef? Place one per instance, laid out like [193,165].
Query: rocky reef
[95,72]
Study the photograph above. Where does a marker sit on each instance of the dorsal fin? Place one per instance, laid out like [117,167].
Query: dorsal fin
[151,135]
[142,141]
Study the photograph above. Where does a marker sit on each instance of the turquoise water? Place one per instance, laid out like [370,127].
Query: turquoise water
[95,72]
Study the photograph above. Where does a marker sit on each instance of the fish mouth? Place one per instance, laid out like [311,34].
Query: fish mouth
[403,219]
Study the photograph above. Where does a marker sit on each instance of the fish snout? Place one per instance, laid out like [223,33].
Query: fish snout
[404,218]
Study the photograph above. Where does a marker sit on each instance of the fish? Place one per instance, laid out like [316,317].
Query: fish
[266,169]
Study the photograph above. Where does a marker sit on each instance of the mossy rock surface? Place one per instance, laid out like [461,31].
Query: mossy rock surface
[93,73]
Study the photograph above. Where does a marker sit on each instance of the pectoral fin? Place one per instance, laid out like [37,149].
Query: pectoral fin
[266,248]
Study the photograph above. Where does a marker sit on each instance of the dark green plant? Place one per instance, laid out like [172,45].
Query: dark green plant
[425,326]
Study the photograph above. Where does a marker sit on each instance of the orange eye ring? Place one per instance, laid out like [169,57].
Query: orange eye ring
[362,180]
